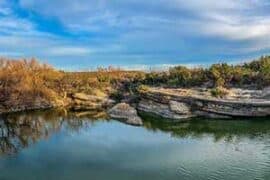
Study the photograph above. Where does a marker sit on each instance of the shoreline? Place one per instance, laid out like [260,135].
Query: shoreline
[164,103]
[219,91]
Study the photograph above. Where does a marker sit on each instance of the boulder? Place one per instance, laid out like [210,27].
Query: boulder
[127,113]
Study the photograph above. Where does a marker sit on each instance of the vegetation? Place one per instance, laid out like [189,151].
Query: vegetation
[143,88]
[22,82]
[26,82]
[219,92]
[255,74]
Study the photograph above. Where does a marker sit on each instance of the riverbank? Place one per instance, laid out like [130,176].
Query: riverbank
[173,105]
[179,94]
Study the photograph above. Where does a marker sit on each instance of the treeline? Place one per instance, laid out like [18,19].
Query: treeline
[23,82]
[255,74]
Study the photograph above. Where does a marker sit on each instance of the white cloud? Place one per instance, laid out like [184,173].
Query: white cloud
[4,11]
[69,51]
[225,18]
[141,30]
[4,8]
[238,31]
[12,25]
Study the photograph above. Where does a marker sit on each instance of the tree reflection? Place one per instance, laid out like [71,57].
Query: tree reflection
[20,130]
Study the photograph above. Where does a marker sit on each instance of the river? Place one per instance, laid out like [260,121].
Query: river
[64,145]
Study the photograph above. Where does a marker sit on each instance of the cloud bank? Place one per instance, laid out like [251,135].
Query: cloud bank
[90,33]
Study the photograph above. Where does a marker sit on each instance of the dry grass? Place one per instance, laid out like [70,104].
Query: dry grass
[23,82]
[28,82]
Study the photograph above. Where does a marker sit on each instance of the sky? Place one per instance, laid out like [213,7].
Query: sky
[134,34]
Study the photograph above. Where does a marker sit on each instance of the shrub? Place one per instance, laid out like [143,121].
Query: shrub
[181,76]
[221,74]
[143,88]
[219,92]
[24,82]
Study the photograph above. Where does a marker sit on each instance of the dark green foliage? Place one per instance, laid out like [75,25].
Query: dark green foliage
[156,78]
[255,74]
[221,74]
[180,75]
[219,92]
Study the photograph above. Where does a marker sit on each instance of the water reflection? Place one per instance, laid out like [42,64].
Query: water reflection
[20,130]
[220,129]
[87,145]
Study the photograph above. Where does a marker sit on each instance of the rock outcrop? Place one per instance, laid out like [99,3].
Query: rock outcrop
[126,113]
[178,104]
[76,101]
[81,101]
[32,104]
[164,110]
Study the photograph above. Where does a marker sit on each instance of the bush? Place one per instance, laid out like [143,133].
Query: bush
[24,82]
[221,74]
[156,78]
[219,92]
[180,75]
[143,88]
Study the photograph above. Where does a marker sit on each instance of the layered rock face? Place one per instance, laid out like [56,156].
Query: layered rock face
[178,105]
[32,104]
[76,101]
[81,101]
[171,111]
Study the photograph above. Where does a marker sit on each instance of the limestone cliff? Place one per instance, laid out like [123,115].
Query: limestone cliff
[179,104]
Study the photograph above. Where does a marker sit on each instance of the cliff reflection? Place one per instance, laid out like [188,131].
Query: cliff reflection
[20,130]
[227,130]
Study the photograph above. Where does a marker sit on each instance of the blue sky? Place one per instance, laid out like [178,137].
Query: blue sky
[84,34]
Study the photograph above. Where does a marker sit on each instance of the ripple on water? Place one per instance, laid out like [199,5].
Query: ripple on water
[183,172]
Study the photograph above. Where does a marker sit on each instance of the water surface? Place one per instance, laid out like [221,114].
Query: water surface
[60,145]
